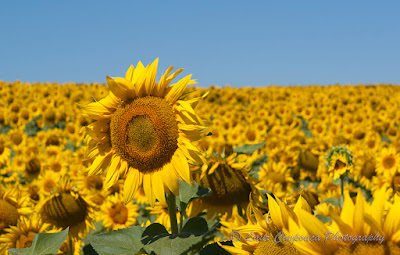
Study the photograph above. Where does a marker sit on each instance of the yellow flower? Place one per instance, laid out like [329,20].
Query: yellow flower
[276,178]
[115,214]
[388,161]
[21,235]
[13,205]
[68,208]
[143,130]
[339,160]
[363,218]
[263,233]
[229,183]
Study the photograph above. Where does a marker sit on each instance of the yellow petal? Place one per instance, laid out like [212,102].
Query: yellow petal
[163,84]
[112,172]
[132,184]
[99,164]
[181,167]
[129,73]
[116,88]
[302,204]
[392,221]
[275,212]
[127,85]
[358,219]
[177,89]
[148,189]
[158,185]
[151,78]
[347,214]
[170,178]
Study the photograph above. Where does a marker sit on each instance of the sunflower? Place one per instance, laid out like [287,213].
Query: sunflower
[276,178]
[13,205]
[262,233]
[365,169]
[21,235]
[115,214]
[229,182]
[339,160]
[143,130]
[363,218]
[5,151]
[388,161]
[89,182]
[67,208]
[47,182]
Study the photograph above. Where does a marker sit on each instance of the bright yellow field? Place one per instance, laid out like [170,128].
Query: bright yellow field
[278,161]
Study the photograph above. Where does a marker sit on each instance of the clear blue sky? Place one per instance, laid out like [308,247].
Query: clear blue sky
[241,43]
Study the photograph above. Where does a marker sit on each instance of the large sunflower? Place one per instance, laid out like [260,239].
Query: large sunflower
[143,130]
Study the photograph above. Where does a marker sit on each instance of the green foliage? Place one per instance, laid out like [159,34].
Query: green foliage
[215,249]
[304,127]
[187,193]
[323,218]
[385,139]
[339,150]
[31,128]
[332,200]
[248,148]
[4,129]
[154,238]
[122,241]
[59,125]
[257,164]
[43,243]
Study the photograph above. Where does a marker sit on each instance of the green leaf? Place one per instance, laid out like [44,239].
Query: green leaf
[154,232]
[323,218]
[332,200]
[188,192]
[43,243]
[123,241]
[31,128]
[5,129]
[304,127]
[215,249]
[248,148]
[197,226]
[385,138]
[158,240]
[88,250]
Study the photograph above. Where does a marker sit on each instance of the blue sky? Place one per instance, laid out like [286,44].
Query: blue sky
[237,43]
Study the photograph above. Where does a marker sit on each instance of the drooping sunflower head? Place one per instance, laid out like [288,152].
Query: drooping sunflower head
[229,183]
[68,208]
[143,131]
[339,160]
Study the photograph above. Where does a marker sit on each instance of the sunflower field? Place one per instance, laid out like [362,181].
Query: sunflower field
[159,166]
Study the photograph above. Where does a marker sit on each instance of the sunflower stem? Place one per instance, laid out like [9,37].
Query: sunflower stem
[341,190]
[171,201]
[183,213]
[70,248]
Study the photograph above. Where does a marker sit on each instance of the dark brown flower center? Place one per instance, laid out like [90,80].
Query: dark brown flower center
[8,215]
[119,213]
